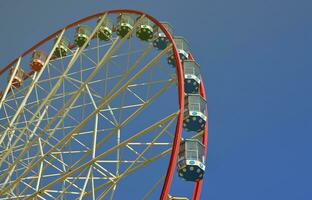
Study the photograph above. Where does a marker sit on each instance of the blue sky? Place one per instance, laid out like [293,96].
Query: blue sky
[255,58]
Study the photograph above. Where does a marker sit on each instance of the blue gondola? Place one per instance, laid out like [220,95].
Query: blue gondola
[191,77]
[183,50]
[195,115]
[191,160]
[160,39]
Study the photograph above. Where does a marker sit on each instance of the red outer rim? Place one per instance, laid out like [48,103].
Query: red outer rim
[180,76]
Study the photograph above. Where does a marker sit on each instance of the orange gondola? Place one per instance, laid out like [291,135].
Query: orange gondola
[37,61]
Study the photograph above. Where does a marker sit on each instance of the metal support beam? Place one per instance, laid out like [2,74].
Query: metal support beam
[108,152]
[32,85]
[10,81]
[106,101]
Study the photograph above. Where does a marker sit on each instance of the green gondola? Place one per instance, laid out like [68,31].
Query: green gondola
[82,34]
[125,24]
[104,32]
[145,30]
[62,48]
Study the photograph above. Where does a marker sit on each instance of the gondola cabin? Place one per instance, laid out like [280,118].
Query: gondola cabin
[82,35]
[160,39]
[1,95]
[195,115]
[37,61]
[183,50]
[125,24]
[145,29]
[62,48]
[191,77]
[191,160]
[18,78]
[104,32]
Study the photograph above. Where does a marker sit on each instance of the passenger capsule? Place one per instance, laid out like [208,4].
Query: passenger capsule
[62,48]
[105,30]
[183,50]
[191,77]
[37,61]
[195,115]
[145,30]
[160,39]
[82,34]
[191,160]
[125,24]
[18,78]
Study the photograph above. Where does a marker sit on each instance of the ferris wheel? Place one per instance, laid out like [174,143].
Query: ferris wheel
[109,107]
